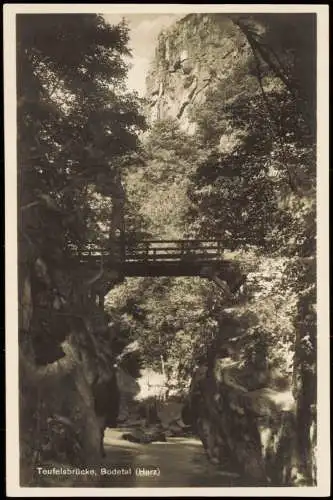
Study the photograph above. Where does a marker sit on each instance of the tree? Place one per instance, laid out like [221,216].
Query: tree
[77,127]
[159,186]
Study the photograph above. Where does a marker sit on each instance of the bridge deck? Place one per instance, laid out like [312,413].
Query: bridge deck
[158,258]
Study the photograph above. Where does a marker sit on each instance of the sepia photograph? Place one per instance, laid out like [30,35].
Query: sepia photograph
[167,298]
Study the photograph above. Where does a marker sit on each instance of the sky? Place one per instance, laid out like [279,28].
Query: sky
[144,30]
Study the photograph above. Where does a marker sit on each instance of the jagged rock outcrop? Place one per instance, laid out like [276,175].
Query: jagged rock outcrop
[203,51]
[68,387]
[244,423]
[194,55]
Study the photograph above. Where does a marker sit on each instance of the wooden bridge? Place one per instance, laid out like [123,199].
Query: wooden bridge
[190,257]
[170,257]
[156,258]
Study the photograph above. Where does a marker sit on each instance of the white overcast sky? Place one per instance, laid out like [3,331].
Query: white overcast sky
[144,30]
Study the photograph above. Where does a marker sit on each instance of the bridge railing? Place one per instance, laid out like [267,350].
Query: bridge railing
[173,250]
[157,251]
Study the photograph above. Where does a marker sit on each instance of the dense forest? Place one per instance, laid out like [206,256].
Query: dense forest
[91,162]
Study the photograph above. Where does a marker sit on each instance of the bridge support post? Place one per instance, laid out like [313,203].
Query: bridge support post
[101,300]
[211,273]
[117,225]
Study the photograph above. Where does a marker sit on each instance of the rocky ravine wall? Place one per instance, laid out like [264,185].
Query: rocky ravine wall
[203,51]
[68,388]
[193,56]
[251,428]
[246,419]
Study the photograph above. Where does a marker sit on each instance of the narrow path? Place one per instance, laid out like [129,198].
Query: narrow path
[178,462]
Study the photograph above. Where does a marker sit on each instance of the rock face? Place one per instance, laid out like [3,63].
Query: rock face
[68,391]
[74,401]
[192,57]
[203,51]
[240,425]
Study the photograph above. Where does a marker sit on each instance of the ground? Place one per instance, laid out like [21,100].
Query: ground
[181,462]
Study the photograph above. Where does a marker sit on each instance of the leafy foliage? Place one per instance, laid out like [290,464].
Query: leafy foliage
[158,187]
[241,187]
[75,120]
[77,128]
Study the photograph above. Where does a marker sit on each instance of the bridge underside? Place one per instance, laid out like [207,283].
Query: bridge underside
[160,269]
[152,258]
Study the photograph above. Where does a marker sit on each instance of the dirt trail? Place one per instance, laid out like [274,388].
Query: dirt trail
[178,462]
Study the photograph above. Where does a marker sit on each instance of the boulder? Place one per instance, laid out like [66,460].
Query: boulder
[126,383]
[169,412]
[145,436]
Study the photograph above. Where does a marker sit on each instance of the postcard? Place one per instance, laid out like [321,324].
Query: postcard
[167,317]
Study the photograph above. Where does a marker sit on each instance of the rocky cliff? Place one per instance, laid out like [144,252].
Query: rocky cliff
[192,57]
[204,51]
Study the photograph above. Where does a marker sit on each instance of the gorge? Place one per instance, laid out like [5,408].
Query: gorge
[222,148]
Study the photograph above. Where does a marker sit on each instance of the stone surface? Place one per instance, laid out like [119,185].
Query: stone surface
[169,413]
[251,428]
[145,436]
[191,58]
